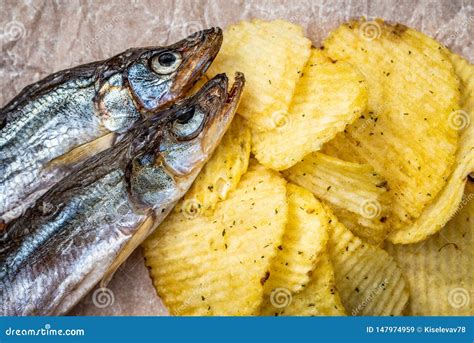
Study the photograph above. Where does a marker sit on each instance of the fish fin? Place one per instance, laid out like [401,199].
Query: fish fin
[139,236]
[83,151]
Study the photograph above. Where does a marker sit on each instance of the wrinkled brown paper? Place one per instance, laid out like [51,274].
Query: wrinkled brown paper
[40,37]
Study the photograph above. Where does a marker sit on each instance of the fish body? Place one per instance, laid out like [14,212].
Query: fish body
[54,254]
[74,107]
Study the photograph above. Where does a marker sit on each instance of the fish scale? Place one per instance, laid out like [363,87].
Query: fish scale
[50,119]
[25,174]
[38,111]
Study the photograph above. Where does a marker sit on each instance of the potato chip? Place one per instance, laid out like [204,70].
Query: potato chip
[343,149]
[319,298]
[439,270]
[328,96]
[222,172]
[435,215]
[272,56]
[304,240]
[354,191]
[406,134]
[217,265]
[368,279]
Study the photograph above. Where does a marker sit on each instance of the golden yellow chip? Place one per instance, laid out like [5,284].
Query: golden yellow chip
[368,279]
[217,265]
[406,134]
[304,240]
[272,56]
[435,215]
[327,97]
[319,298]
[439,270]
[223,171]
[354,191]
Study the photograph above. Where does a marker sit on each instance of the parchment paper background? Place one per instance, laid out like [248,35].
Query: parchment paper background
[40,37]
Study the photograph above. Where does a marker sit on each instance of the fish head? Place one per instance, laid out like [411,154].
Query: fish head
[164,167]
[161,75]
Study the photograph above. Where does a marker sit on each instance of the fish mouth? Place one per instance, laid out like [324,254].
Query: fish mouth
[154,89]
[220,107]
[213,99]
[199,51]
[220,121]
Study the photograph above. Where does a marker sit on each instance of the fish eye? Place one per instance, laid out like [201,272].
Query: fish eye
[188,124]
[166,63]
[167,59]
[186,116]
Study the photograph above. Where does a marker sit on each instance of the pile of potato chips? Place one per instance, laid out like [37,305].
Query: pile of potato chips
[341,187]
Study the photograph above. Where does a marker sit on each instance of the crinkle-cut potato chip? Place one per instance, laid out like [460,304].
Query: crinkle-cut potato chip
[319,298]
[341,148]
[216,265]
[328,96]
[305,238]
[407,134]
[355,193]
[222,172]
[368,279]
[436,214]
[439,270]
[272,56]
